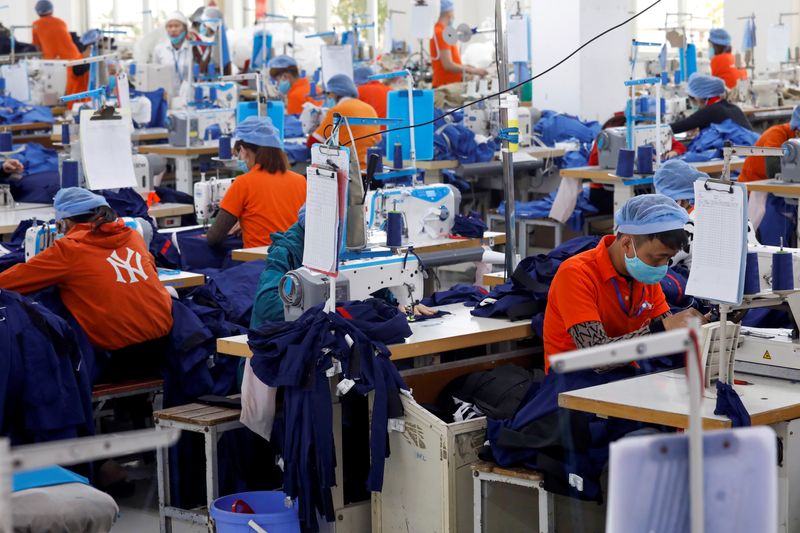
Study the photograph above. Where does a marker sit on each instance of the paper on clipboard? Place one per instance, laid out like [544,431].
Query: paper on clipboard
[17,83]
[336,59]
[321,241]
[106,154]
[423,19]
[324,155]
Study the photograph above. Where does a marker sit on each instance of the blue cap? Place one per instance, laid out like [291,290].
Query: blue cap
[301,216]
[361,74]
[720,36]
[794,123]
[74,201]
[650,213]
[341,85]
[43,7]
[282,62]
[258,131]
[445,5]
[675,178]
[705,86]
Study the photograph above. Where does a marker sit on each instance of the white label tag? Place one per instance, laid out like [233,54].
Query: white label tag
[336,369]
[344,387]
[397,424]
[576,481]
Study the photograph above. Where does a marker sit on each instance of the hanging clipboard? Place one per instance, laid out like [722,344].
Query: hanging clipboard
[106,149]
[324,219]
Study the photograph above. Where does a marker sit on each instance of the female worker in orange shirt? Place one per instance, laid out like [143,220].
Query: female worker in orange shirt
[723,64]
[51,37]
[446,63]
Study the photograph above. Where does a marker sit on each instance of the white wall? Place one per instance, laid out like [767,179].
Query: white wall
[767,13]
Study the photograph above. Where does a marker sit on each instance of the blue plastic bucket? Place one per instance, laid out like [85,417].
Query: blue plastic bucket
[269,512]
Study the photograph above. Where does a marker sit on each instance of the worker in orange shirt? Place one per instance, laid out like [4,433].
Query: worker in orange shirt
[107,280]
[446,62]
[51,37]
[296,90]
[762,168]
[723,64]
[373,92]
[341,96]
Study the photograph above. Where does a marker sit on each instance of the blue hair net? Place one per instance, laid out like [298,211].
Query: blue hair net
[650,213]
[258,131]
[301,216]
[675,178]
[74,201]
[705,86]
[794,123]
[445,5]
[341,85]
[43,7]
[720,36]
[282,62]
[361,75]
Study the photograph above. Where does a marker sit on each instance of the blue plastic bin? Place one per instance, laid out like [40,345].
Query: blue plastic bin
[269,512]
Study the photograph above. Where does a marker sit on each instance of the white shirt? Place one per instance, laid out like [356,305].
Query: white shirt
[179,59]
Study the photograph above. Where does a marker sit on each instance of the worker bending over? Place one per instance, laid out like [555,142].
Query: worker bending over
[612,292]
[708,97]
[266,198]
[373,92]
[296,89]
[107,280]
[176,52]
[762,168]
[341,96]
[446,59]
[723,64]
[51,37]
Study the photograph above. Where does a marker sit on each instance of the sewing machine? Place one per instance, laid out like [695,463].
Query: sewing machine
[48,81]
[219,94]
[146,167]
[429,211]
[207,196]
[189,128]
[612,140]
[40,237]
[151,77]
[765,93]
[790,161]
[303,289]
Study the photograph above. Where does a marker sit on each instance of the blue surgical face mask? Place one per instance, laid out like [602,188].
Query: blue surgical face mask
[243,166]
[178,39]
[329,102]
[284,86]
[711,51]
[641,271]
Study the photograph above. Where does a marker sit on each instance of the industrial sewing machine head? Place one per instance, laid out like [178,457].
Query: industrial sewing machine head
[612,140]
[790,161]
[207,196]
[39,237]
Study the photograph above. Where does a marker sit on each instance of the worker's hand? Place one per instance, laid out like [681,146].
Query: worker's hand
[681,320]
[419,310]
[11,166]
[480,72]
[236,230]
[669,155]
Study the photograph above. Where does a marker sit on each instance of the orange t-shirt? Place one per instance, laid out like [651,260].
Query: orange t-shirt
[298,95]
[583,290]
[755,168]
[724,66]
[440,75]
[51,37]
[264,203]
[375,94]
[108,281]
[351,107]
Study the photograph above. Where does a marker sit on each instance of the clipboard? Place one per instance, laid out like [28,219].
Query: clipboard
[324,219]
[106,148]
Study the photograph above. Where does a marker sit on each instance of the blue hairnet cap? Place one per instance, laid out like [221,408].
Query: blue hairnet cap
[445,5]
[794,123]
[705,86]
[650,213]
[258,131]
[341,85]
[361,75]
[675,178]
[43,7]
[74,201]
[282,62]
[720,36]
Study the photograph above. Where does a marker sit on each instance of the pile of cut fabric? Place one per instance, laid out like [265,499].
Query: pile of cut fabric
[709,143]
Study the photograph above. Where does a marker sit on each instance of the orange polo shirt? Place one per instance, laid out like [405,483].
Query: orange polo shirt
[107,280]
[583,290]
[755,168]
[264,203]
[298,95]
[52,38]
[724,66]
[375,94]
[440,75]
[351,107]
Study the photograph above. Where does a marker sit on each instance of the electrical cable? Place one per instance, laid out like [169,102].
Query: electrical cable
[513,87]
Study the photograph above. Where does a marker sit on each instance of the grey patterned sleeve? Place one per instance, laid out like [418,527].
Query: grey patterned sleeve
[588,334]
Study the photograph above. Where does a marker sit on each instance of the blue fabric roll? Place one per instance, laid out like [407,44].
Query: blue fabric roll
[644,159]
[782,274]
[752,285]
[394,230]
[625,164]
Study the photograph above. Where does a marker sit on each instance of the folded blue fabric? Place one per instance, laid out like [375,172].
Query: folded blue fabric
[709,143]
[45,477]
[541,209]
[556,127]
[15,112]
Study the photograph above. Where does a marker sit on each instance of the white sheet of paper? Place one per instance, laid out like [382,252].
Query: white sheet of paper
[17,85]
[566,198]
[322,220]
[423,19]
[336,59]
[778,43]
[719,247]
[106,153]
[517,33]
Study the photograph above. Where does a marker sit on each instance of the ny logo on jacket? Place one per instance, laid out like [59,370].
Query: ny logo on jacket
[120,265]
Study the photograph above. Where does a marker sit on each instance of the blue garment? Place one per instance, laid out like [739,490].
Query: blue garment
[730,404]
[541,209]
[292,127]
[779,222]
[555,127]
[37,159]
[650,213]
[471,225]
[471,295]
[454,141]
[197,256]
[450,177]
[158,108]
[233,290]
[297,153]
[709,143]
[37,188]
[15,112]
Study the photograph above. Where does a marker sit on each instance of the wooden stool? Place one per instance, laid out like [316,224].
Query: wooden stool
[212,422]
[490,472]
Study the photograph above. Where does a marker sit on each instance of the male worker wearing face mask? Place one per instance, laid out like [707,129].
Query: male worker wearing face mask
[446,62]
[708,97]
[612,292]
[284,70]
[175,51]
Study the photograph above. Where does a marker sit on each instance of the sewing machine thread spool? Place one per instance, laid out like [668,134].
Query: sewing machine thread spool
[212,94]
[6,144]
[644,159]
[625,163]
[374,150]
[225,147]
[198,94]
[752,283]
[2,85]
[65,133]
[394,229]
[398,156]
[782,273]
[69,173]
